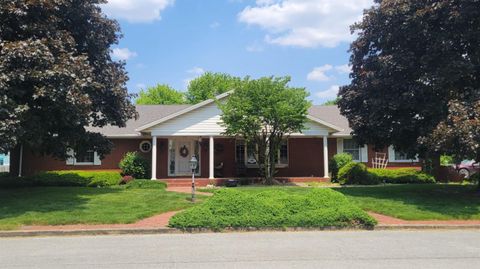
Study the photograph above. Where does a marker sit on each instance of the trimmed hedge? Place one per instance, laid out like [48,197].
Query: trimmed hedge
[230,208]
[401,176]
[65,178]
[356,174]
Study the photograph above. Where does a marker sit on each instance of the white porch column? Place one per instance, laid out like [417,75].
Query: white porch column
[154,158]
[325,157]
[211,159]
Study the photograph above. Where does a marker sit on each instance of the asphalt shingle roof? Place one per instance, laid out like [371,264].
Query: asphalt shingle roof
[150,113]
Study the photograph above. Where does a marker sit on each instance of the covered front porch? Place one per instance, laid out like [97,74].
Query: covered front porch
[222,157]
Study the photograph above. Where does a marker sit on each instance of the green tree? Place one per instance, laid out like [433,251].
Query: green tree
[331,102]
[210,85]
[160,94]
[412,62]
[57,76]
[263,112]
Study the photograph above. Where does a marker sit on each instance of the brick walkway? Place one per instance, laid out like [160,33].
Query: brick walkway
[387,220]
[158,221]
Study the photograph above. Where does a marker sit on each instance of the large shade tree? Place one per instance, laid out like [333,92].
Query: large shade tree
[210,85]
[57,76]
[415,72]
[263,112]
[160,94]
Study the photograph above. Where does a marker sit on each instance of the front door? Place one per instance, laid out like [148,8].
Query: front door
[184,152]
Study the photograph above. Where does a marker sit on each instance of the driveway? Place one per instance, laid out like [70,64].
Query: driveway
[342,249]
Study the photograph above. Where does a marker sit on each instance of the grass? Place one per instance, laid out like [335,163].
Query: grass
[419,202]
[409,202]
[273,208]
[82,205]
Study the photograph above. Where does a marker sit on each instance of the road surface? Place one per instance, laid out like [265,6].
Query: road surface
[339,249]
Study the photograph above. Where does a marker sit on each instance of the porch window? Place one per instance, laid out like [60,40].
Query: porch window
[171,153]
[245,153]
[399,156]
[351,147]
[240,151]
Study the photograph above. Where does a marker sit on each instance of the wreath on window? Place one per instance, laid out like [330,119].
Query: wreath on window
[184,151]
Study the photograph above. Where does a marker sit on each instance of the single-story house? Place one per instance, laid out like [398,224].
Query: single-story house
[169,135]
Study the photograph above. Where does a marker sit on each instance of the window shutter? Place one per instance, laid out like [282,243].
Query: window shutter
[339,145]
[96,159]
[71,159]
[364,153]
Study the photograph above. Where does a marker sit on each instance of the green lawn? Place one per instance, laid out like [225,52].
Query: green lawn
[81,205]
[409,202]
[418,202]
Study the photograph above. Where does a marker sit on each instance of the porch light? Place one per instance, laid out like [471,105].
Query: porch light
[193,163]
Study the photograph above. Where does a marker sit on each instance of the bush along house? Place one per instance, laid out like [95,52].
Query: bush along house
[169,135]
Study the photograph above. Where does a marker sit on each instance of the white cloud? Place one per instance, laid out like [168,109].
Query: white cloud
[140,86]
[343,69]
[330,93]
[123,54]
[194,72]
[305,23]
[136,10]
[319,73]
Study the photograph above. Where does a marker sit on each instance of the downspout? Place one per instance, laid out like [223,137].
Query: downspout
[20,161]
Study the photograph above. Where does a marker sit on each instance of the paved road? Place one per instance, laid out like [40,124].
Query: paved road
[375,249]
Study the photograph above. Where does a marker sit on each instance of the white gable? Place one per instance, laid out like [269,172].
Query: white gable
[203,121]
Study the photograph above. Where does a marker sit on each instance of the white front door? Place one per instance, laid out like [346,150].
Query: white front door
[184,151]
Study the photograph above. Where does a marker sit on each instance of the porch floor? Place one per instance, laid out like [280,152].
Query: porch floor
[202,182]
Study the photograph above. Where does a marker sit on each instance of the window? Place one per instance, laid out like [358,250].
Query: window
[90,157]
[240,151]
[351,146]
[145,146]
[283,153]
[171,154]
[399,156]
[246,153]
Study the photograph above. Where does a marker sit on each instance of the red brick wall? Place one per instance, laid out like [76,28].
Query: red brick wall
[33,163]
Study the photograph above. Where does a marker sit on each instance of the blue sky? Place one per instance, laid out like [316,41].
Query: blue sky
[174,41]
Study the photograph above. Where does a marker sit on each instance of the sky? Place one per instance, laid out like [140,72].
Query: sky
[173,41]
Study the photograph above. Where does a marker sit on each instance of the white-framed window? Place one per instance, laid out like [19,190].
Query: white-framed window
[145,146]
[397,156]
[245,153]
[351,147]
[88,158]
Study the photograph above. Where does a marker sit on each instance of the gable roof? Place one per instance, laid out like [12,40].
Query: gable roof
[146,114]
[151,115]
[331,114]
[183,111]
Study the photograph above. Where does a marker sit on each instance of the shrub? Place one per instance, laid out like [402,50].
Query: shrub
[401,176]
[7,181]
[338,161]
[355,174]
[230,208]
[134,165]
[76,178]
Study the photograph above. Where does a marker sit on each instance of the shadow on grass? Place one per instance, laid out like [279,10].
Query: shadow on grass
[20,201]
[418,201]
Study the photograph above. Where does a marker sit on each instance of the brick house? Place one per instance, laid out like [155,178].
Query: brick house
[169,135]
